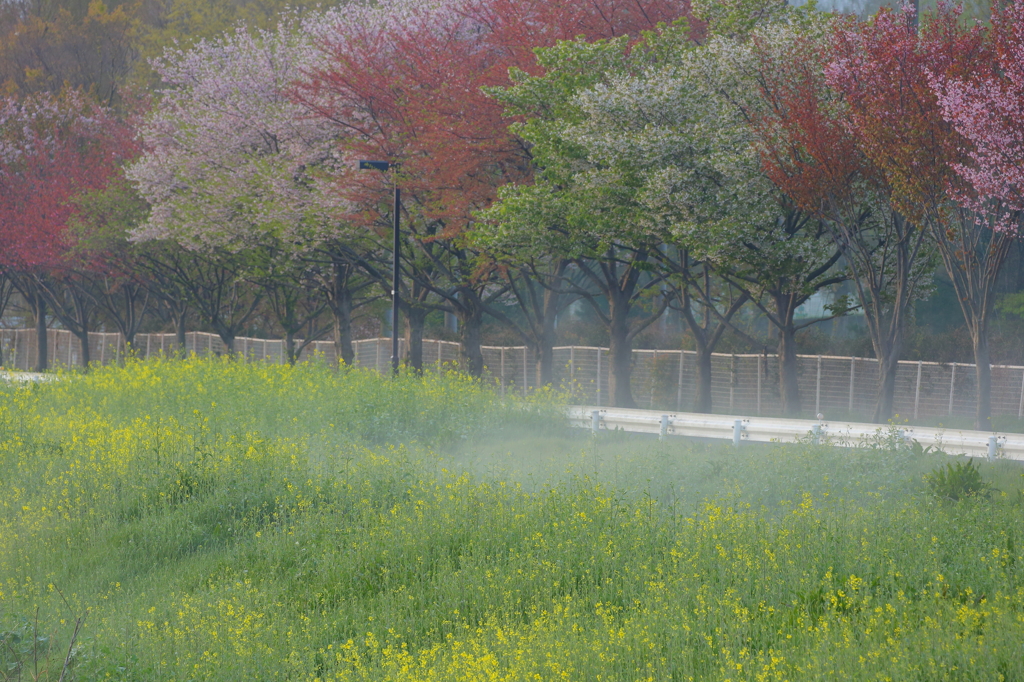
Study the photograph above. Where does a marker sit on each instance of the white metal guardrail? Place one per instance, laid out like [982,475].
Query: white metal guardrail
[22,377]
[767,430]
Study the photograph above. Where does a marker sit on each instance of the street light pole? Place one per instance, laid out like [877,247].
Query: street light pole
[396,274]
[395,280]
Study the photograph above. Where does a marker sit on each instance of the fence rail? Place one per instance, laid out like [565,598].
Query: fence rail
[841,387]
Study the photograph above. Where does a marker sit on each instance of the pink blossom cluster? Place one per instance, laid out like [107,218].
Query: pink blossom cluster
[988,110]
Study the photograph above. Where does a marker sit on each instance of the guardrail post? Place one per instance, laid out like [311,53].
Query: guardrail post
[816,434]
[664,427]
[737,431]
[595,421]
[993,447]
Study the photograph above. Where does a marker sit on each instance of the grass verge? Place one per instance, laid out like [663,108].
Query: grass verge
[212,520]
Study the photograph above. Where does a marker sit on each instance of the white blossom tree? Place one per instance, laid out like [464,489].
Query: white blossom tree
[233,166]
[655,148]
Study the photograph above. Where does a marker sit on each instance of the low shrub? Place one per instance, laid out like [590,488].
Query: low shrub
[956,481]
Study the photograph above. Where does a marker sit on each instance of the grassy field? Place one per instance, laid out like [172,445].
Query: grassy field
[212,520]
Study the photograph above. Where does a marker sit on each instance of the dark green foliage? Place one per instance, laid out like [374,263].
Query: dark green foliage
[956,481]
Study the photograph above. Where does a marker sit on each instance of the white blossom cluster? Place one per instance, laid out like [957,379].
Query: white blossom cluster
[230,160]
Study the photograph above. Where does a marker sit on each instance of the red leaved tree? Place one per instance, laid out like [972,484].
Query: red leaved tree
[884,70]
[53,149]
[407,81]
[809,150]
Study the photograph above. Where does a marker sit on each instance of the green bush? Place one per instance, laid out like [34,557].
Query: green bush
[957,480]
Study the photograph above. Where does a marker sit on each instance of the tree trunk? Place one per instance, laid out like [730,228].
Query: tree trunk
[38,304]
[339,300]
[886,392]
[983,373]
[620,352]
[341,310]
[702,392]
[973,254]
[289,346]
[888,364]
[789,388]
[544,360]
[83,343]
[179,332]
[471,317]
[545,351]
[415,322]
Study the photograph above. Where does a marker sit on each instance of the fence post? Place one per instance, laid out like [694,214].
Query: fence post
[654,371]
[758,385]
[917,390]
[1020,410]
[503,371]
[952,383]
[103,347]
[732,380]
[598,396]
[853,369]
[572,364]
[526,381]
[817,389]
[679,390]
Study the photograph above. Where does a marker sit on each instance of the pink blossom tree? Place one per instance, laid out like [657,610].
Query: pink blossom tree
[987,108]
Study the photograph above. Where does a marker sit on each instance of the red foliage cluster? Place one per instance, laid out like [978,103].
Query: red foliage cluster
[53,149]
[864,106]
[806,147]
[411,91]
[884,71]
